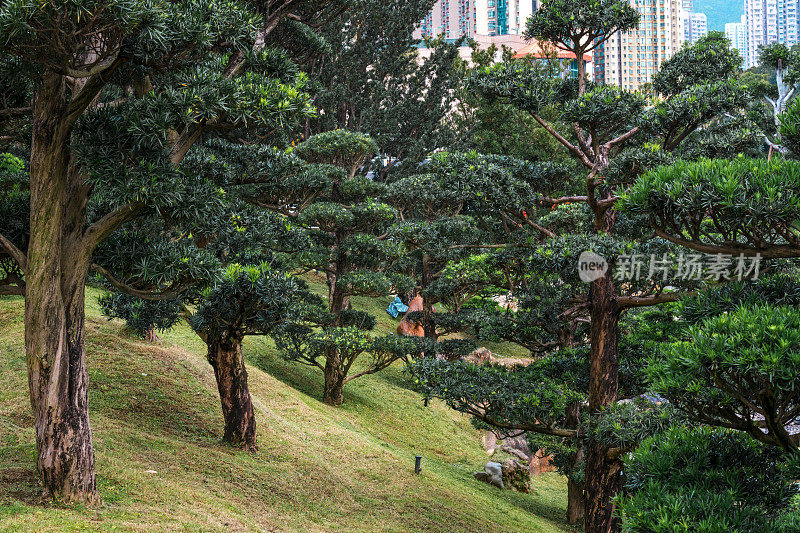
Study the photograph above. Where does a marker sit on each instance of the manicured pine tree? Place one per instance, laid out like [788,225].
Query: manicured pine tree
[437,223]
[116,107]
[736,368]
[244,300]
[348,227]
[604,120]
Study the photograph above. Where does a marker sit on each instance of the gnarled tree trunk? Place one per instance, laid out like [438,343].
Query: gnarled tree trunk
[428,325]
[333,389]
[575,496]
[602,473]
[225,356]
[55,276]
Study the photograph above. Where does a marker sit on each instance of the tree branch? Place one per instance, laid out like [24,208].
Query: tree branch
[771,252]
[9,112]
[170,293]
[110,222]
[12,290]
[629,302]
[560,138]
[14,252]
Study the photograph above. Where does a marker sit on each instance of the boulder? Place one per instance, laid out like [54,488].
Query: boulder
[481,356]
[492,474]
[516,476]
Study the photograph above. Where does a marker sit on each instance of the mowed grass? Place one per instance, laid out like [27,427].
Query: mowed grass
[162,467]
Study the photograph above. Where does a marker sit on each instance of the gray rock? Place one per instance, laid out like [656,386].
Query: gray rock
[492,474]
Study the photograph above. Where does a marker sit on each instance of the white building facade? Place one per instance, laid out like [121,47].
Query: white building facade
[767,22]
[736,32]
[695,26]
[456,18]
[630,59]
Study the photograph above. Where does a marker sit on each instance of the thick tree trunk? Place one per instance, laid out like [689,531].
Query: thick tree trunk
[57,268]
[333,391]
[225,356]
[575,502]
[575,495]
[602,473]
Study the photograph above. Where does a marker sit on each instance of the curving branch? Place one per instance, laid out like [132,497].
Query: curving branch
[170,293]
[17,254]
[770,252]
[560,138]
[104,227]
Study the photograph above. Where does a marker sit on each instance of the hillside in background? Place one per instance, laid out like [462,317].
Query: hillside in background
[720,11]
[161,464]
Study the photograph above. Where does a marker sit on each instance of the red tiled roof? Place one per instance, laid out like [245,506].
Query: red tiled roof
[535,50]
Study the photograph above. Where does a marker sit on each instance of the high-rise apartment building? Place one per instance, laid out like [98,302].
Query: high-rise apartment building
[695,25]
[769,21]
[456,18]
[503,17]
[630,59]
[736,32]
[451,18]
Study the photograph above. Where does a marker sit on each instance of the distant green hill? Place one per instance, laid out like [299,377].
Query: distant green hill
[719,12]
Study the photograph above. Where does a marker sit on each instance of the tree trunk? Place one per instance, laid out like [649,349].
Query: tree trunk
[575,502]
[55,277]
[333,392]
[343,302]
[225,356]
[602,474]
[575,496]
[150,335]
[428,325]
[581,72]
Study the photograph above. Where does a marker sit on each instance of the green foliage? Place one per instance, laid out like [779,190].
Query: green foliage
[708,60]
[778,56]
[248,299]
[604,109]
[338,147]
[625,425]
[574,24]
[510,399]
[790,127]
[763,194]
[373,61]
[777,290]
[710,480]
[736,370]
[141,316]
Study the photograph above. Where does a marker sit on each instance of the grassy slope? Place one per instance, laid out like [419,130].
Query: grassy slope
[155,408]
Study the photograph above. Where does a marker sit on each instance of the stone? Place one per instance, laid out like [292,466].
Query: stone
[481,356]
[489,442]
[492,474]
[516,476]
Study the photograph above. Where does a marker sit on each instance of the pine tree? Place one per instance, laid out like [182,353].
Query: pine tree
[121,92]
[615,135]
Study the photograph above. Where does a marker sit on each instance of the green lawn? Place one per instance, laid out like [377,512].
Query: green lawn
[161,465]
